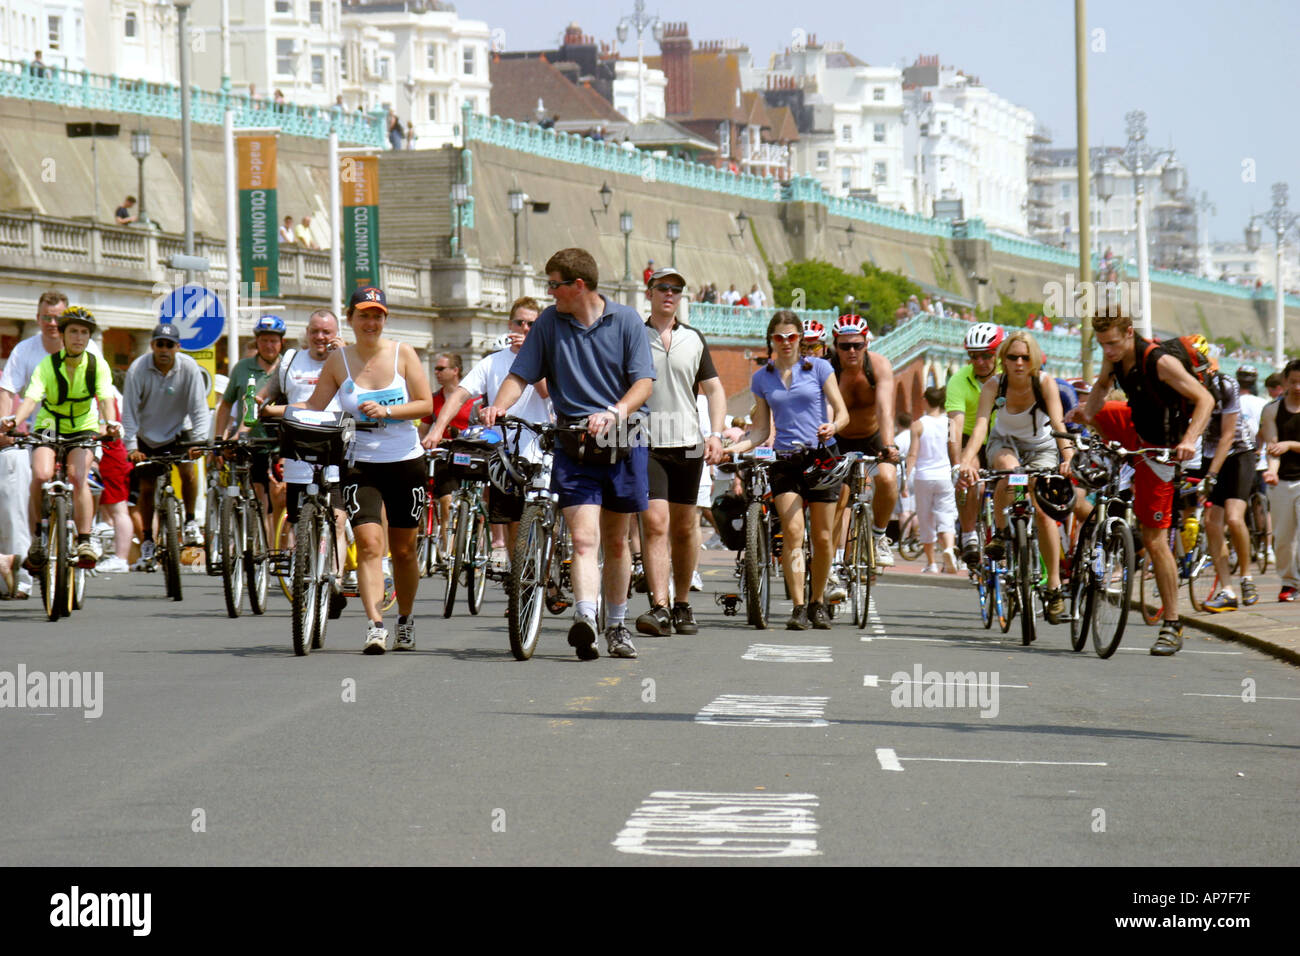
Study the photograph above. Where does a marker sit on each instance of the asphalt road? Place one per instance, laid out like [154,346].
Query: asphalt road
[217,746]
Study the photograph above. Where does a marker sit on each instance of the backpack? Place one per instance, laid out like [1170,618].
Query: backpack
[63,385]
[1205,370]
[1038,406]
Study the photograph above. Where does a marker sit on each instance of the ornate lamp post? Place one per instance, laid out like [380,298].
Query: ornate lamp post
[516,200]
[140,149]
[1136,159]
[638,21]
[625,227]
[674,233]
[1280,219]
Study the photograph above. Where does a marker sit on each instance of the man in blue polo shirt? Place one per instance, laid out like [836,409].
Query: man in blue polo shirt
[596,360]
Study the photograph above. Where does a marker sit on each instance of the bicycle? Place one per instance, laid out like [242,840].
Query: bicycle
[762,551]
[244,552]
[63,582]
[1257,528]
[1024,562]
[281,561]
[987,574]
[1101,572]
[1187,542]
[860,551]
[217,480]
[169,512]
[467,457]
[428,539]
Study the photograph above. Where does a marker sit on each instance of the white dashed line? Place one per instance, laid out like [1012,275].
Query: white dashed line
[787,654]
[755,710]
[722,825]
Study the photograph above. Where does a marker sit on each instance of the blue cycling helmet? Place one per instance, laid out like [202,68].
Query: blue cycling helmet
[269,323]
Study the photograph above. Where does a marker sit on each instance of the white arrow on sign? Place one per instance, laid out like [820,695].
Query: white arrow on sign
[187,324]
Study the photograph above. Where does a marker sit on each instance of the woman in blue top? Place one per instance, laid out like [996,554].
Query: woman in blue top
[793,394]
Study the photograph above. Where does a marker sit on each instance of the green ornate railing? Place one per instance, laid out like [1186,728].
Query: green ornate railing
[98,91]
[744,322]
[808,189]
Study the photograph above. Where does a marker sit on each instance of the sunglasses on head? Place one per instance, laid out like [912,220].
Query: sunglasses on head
[785,336]
[666,287]
[552,285]
[850,346]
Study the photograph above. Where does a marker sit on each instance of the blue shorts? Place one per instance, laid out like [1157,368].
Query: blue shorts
[624,487]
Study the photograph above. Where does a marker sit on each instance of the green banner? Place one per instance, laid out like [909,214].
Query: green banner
[360,180]
[259,237]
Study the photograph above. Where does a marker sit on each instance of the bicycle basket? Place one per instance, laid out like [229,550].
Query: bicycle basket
[318,438]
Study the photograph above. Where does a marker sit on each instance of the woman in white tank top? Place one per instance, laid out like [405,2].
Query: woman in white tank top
[379,380]
[936,505]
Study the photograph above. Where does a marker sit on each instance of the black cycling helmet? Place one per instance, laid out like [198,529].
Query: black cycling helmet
[79,315]
[1055,496]
[1247,375]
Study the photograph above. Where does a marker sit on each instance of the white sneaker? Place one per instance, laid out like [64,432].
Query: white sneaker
[697,582]
[112,565]
[950,561]
[932,569]
[884,554]
[500,559]
[376,640]
[145,563]
[835,591]
[405,635]
[192,534]
[350,581]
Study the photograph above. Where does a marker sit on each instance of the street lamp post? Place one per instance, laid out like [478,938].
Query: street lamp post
[516,200]
[187,160]
[1280,219]
[1137,157]
[460,196]
[674,233]
[638,21]
[140,149]
[1103,183]
[625,227]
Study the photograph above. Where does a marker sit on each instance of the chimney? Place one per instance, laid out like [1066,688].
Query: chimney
[676,49]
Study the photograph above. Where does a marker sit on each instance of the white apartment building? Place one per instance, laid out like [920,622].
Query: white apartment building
[136,39]
[626,97]
[1233,262]
[420,58]
[55,27]
[963,141]
[851,126]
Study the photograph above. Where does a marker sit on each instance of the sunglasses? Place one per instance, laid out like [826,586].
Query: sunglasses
[850,346]
[982,356]
[519,323]
[784,337]
[1018,357]
[665,287]
[442,368]
[161,344]
[552,285]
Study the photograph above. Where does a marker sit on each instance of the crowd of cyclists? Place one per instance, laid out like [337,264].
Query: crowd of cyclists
[631,440]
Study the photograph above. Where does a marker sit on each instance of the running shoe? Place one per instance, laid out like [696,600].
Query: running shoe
[1249,595]
[798,619]
[618,642]
[1225,600]
[1170,640]
[405,635]
[684,619]
[1288,593]
[192,534]
[817,616]
[582,637]
[656,622]
[884,553]
[376,639]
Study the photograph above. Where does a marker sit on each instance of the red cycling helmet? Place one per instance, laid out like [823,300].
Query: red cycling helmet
[814,331]
[851,325]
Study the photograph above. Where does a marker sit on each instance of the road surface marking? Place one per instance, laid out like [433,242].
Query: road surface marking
[787,654]
[722,825]
[889,760]
[756,710]
[1239,697]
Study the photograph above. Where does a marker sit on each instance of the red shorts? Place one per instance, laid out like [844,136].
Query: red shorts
[1153,497]
[114,473]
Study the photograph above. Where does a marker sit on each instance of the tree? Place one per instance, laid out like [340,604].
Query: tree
[875,294]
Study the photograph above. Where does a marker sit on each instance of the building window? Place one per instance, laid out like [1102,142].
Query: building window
[468,56]
[316,12]
[846,179]
[724,139]
[878,94]
[283,6]
[880,174]
[433,107]
[1065,190]
[343,64]
[823,160]
[56,32]
[130,26]
[385,67]
[431,57]
[318,69]
[943,127]
[846,134]
[284,56]
[878,134]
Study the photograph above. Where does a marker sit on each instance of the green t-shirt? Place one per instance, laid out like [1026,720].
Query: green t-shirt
[79,413]
[234,394]
[964,396]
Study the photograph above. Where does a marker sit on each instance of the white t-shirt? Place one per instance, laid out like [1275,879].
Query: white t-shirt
[757,299]
[1252,407]
[932,451]
[298,379]
[28,354]
[487,377]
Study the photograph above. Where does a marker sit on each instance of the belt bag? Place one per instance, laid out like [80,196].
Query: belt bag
[586,449]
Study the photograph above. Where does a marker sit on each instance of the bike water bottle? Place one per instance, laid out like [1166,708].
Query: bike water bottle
[1191,528]
[250,404]
[1097,560]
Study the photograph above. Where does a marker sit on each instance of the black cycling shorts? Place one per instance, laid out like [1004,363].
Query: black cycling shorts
[675,474]
[787,475]
[1236,478]
[503,508]
[373,488]
[444,483]
[867,446]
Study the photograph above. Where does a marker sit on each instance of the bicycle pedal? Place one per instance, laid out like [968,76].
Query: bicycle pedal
[280,562]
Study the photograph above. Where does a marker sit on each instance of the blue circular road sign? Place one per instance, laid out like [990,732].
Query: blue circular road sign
[197,313]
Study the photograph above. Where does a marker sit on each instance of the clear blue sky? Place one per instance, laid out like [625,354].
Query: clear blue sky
[1218,80]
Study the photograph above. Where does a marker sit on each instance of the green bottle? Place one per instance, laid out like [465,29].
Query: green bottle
[250,404]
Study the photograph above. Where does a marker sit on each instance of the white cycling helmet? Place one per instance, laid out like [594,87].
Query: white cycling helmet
[813,332]
[984,337]
[850,325]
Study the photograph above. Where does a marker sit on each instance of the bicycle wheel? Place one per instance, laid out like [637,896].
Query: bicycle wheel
[232,548]
[328,583]
[460,520]
[528,576]
[1113,591]
[306,584]
[255,564]
[1149,594]
[758,567]
[1257,517]
[283,541]
[1001,602]
[1026,573]
[909,539]
[1198,563]
[212,532]
[1081,591]
[55,573]
[863,549]
[171,549]
[480,551]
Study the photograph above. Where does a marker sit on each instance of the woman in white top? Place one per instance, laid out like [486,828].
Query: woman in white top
[379,380]
[927,462]
[1029,410]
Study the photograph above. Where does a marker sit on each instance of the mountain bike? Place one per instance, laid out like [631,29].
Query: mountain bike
[170,514]
[988,575]
[428,538]
[244,551]
[467,459]
[1187,542]
[1025,571]
[761,554]
[860,553]
[218,478]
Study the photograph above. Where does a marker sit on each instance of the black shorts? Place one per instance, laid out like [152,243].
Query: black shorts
[259,467]
[152,471]
[69,436]
[868,446]
[444,483]
[373,488]
[293,495]
[1236,478]
[503,508]
[787,475]
[983,453]
[675,474]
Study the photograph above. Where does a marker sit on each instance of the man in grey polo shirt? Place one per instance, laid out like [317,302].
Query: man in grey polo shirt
[596,360]
[677,454]
[164,392]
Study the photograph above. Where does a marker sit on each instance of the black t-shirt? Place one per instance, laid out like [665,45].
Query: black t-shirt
[123,212]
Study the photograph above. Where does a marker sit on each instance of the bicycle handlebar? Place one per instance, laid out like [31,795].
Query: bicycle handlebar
[1162,454]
